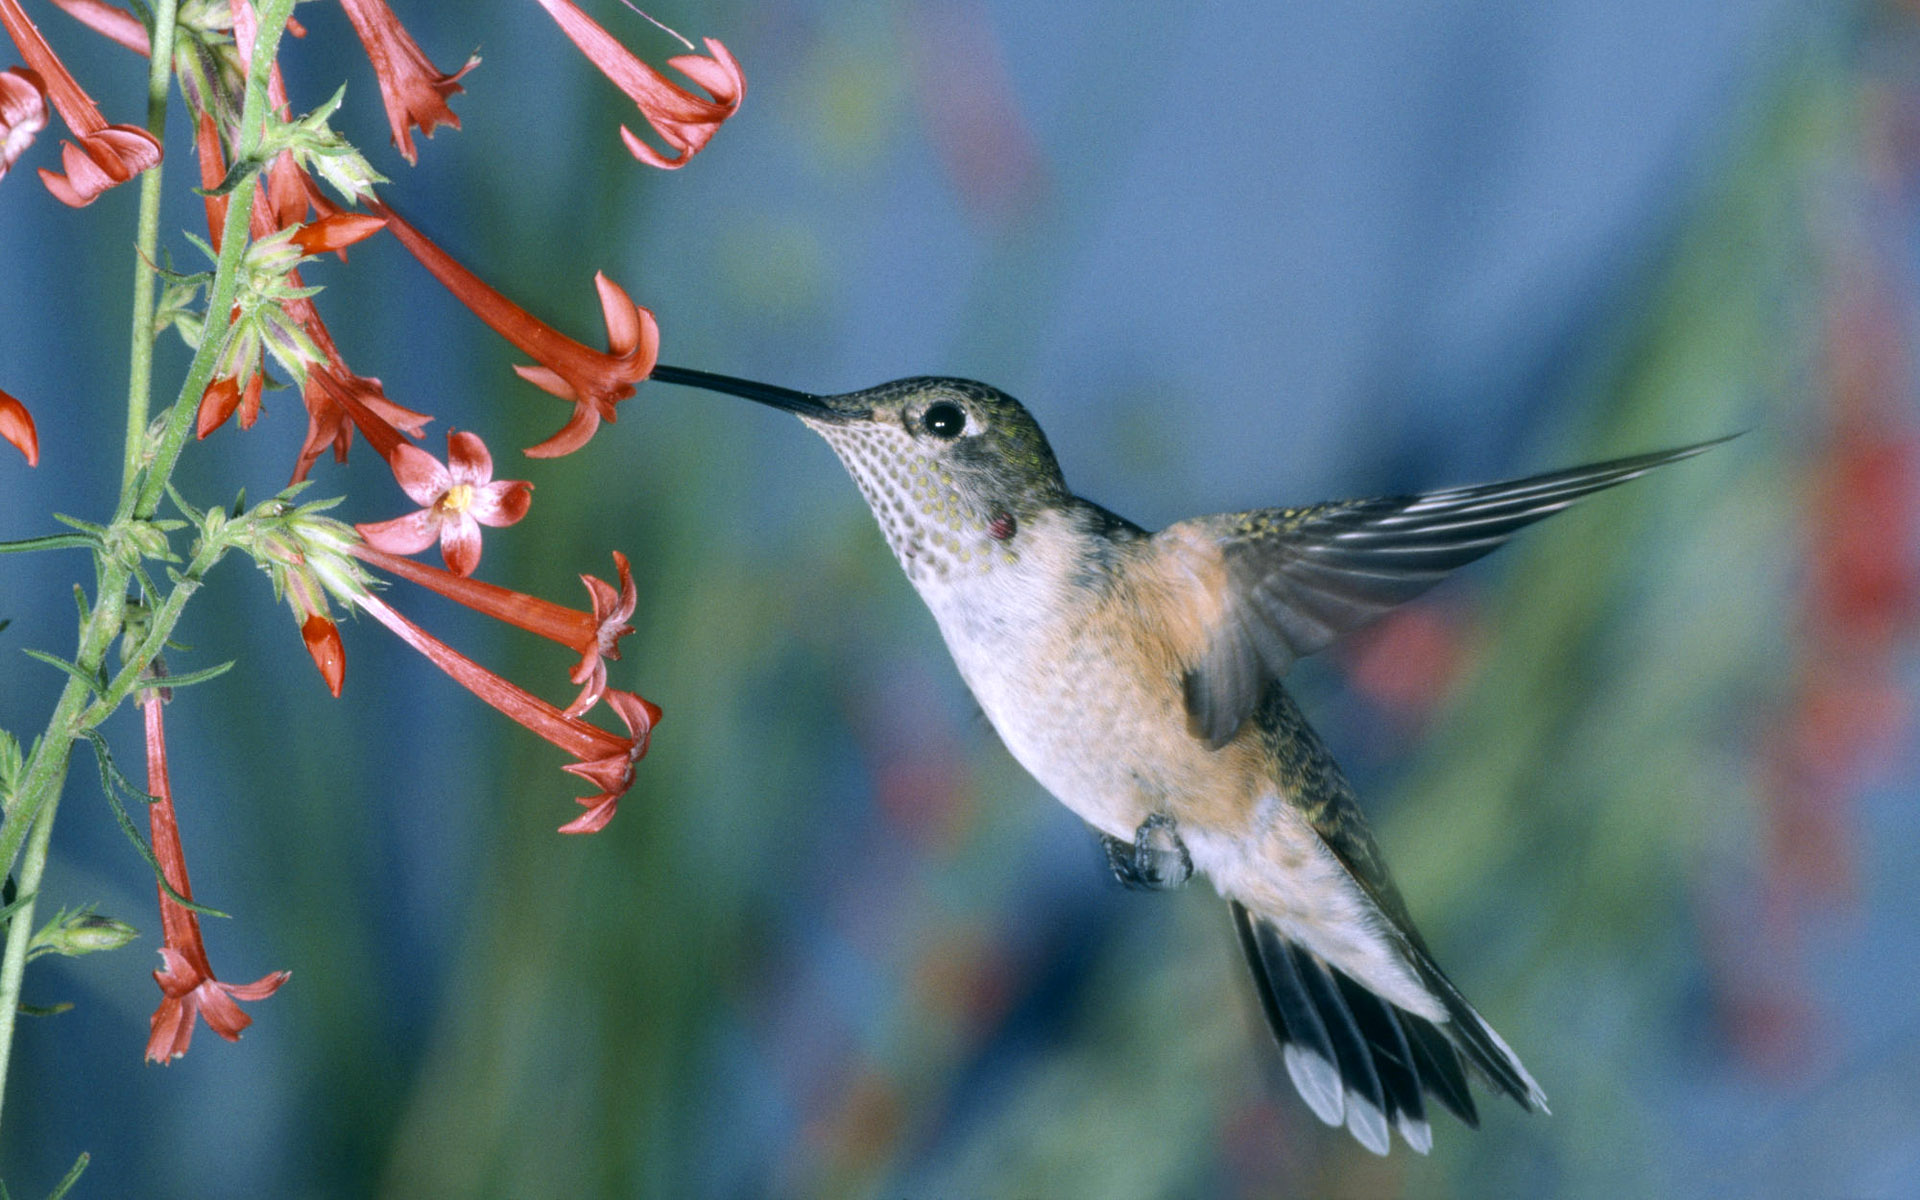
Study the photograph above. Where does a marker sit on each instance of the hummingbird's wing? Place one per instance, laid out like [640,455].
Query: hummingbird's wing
[1297,578]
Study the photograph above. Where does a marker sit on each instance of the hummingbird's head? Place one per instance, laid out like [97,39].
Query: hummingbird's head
[952,469]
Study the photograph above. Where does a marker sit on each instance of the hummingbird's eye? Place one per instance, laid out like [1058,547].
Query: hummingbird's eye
[944,420]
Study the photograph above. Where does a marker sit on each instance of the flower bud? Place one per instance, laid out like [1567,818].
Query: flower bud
[83,932]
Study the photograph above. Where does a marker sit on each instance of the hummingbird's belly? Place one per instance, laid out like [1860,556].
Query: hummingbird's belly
[1108,744]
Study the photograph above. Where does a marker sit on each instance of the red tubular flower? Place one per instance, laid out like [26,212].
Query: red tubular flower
[414,91]
[459,497]
[23,113]
[605,760]
[107,154]
[213,168]
[683,120]
[592,380]
[613,773]
[593,635]
[16,425]
[115,23]
[187,985]
[330,422]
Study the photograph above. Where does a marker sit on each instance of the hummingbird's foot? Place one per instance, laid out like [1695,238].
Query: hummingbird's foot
[1156,860]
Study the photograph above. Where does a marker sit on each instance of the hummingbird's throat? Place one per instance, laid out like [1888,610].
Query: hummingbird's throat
[939,533]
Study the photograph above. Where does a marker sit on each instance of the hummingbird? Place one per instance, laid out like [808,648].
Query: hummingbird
[1137,676]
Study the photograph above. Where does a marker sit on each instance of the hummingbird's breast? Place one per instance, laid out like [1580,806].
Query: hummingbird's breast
[1080,683]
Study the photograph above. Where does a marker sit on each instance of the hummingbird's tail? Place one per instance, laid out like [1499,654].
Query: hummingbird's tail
[1365,1062]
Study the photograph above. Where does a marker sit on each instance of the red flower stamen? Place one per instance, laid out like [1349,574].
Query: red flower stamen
[683,120]
[107,154]
[187,984]
[457,498]
[605,760]
[414,91]
[16,426]
[594,381]
[594,635]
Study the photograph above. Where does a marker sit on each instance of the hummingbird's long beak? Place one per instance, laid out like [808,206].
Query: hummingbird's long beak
[803,403]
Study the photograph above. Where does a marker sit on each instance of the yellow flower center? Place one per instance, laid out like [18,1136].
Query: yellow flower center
[458,497]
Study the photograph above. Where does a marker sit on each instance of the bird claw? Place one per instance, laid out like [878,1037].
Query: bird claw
[1143,866]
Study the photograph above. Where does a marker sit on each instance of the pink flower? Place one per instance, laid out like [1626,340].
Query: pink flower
[683,120]
[415,92]
[458,498]
[16,426]
[107,154]
[187,986]
[592,380]
[23,113]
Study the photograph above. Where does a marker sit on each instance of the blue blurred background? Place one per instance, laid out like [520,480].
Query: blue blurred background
[1647,778]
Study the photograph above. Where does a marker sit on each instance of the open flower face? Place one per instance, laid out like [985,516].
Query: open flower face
[458,498]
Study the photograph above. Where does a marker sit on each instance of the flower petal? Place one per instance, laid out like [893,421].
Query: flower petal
[111,156]
[170,1030]
[578,430]
[23,113]
[260,988]
[595,818]
[403,535]
[468,460]
[222,1015]
[501,503]
[460,543]
[420,475]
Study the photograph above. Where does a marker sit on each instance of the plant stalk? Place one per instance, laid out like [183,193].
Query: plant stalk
[147,243]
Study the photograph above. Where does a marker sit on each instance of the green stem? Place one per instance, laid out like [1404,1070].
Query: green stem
[147,245]
[273,16]
[159,627]
[13,966]
[32,806]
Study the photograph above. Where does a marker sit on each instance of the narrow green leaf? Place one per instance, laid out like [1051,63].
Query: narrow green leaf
[242,170]
[53,541]
[180,502]
[98,531]
[108,774]
[6,913]
[46,1010]
[193,677]
[94,683]
[73,1177]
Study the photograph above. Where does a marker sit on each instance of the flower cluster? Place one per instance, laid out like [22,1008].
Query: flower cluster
[281,192]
